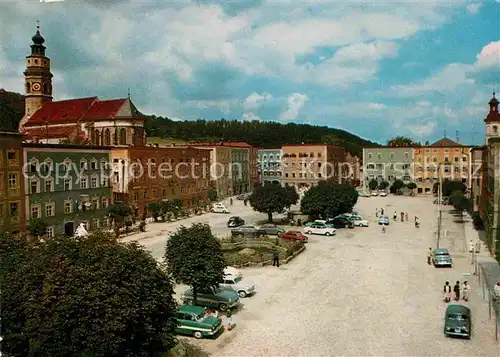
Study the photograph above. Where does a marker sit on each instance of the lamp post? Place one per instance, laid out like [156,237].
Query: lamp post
[440,197]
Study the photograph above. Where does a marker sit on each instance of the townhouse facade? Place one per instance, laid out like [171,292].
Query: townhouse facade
[220,167]
[67,185]
[478,178]
[304,165]
[143,175]
[12,207]
[270,168]
[385,163]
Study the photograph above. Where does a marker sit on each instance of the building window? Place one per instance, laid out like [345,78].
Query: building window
[34,186]
[456,159]
[370,167]
[11,156]
[369,156]
[83,182]
[12,181]
[68,184]
[83,164]
[93,164]
[33,166]
[392,155]
[50,209]
[464,158]
[95,202]
[85,225]
[145,194]
[49,184]
[105,202]
[35,211]
[68,206]
[95,223]
[94,183]
[50,231]
[13,209]
[379,156]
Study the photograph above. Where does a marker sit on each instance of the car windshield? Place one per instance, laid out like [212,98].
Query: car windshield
[458,316]
[200,316]
[441,253]
[237,279]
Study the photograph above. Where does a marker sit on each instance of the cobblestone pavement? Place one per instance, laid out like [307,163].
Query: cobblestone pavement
[361,293]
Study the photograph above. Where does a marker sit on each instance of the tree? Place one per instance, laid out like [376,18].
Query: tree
[155,210]
[37,227]
[400,141]
[84,297]
[450,186]
[272,198]
[118,212]
[397,186]
[194,257]
[412,186]
[373,184]
[383,185]
[212,194]
[460,202]
[328,199]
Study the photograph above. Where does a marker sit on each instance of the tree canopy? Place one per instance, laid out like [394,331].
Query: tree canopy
[450,186]
[383,185]
[272,198]
[373,184]
[194,257]
[401,141]
[84,297]
[329,199]
[397,186]
[460,202]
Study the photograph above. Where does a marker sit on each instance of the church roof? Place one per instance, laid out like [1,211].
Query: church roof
[446,142]
[83,109]
[492,117]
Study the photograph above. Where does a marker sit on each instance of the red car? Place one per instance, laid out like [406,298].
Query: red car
[294,235]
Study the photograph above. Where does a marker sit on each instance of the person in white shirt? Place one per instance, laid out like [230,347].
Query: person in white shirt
[465,290]
[497,291]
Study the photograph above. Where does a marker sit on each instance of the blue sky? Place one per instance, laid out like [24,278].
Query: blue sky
[377,69]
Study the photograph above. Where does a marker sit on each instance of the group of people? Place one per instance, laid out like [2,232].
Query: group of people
[403,215]
[455,293]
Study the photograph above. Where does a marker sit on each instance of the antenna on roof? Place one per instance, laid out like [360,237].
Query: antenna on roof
[458,137]
[445,133]
[128,92]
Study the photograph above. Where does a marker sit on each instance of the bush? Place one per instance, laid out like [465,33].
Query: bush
[142,226]
[477,221]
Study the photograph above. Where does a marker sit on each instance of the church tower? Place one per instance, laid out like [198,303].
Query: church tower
[37,76]
[492,120]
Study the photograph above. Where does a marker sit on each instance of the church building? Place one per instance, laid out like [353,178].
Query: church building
[115,122]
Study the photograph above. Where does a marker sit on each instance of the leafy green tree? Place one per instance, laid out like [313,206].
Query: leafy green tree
[450,186]
[328,199]
[400,141]
[397,186]
[84,297]
[373,184]
[411,186]
[383,185]
[460,202]
[155,210]
[212,194]
[118,212]
[272,198]
[194,257]
[37,227]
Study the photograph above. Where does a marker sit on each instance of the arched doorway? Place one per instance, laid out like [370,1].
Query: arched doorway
[107,137]
[69,229]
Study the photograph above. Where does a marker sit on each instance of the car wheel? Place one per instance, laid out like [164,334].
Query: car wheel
[242,294]
[346,226]
[198,335]
[222,307]
[309,232]
[327,234]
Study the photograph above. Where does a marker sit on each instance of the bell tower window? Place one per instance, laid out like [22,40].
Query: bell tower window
[28,87]
[45,88]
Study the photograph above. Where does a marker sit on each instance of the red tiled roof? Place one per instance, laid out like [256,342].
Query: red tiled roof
[240,144]
[104,109]
[492,117]
[75,109]
[53,132]
[446,142]
[61,111]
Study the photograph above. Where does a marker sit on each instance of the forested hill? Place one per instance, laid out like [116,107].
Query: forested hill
[257,133]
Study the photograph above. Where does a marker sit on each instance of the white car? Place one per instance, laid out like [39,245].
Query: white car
[358,221]
[319,228]
[383,194]
[219,208]
[232,271]
[375,193]
[244,288]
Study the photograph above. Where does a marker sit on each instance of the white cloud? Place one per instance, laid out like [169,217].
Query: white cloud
[422,130]
[250,116]
[295,103]
[377,106]
[256,100]
[360,52]
[473,8]
[489,57]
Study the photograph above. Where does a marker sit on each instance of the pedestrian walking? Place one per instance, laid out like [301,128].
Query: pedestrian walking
[456,290]
[229,320]
[376,212]
[299,222]
[447,292]
[402,216]
[406,216]
[496,292]
[276,259]
[429,256]
[395,216]
[465,291]
[471,246]
[381,211]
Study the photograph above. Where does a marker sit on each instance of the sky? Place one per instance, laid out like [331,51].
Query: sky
[374,68]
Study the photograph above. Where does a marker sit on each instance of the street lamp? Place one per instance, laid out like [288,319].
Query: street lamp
[440,198]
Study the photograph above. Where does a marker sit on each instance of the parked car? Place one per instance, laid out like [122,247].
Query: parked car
[294,236]
[374,193]
[242,197]
[383,194]
[441,257]
[242,287]
[192,321]
[235,221]
[358,221]
[310,223]
[383,220]
[247,231]
[214,298]
[232,271]
[272,229]
[364,194]
[219,209]
[320,228]
[340,222]
[457,321]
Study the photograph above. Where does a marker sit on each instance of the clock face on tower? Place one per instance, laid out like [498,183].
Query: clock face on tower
[36,86]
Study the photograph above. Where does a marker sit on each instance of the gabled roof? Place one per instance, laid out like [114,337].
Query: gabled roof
[492,117]
[86,109]
[446,142]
